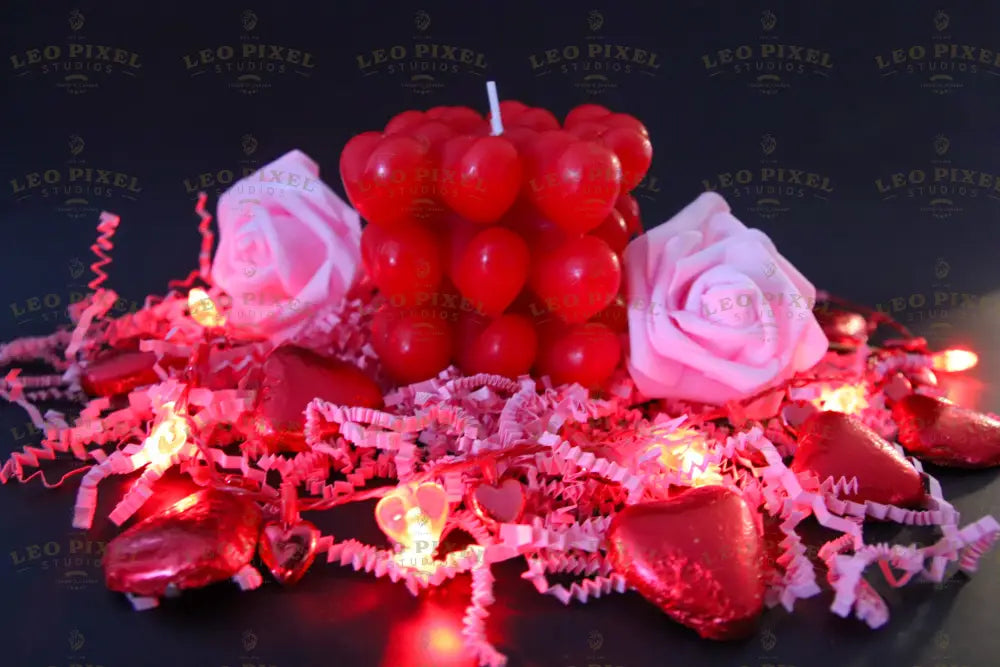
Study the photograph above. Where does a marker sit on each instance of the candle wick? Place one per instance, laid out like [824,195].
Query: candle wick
[496,122]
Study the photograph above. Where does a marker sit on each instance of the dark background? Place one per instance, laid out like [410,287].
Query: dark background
[930,257]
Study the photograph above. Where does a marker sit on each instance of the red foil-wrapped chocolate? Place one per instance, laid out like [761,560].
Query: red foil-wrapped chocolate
[205,537]
[699,557]
[834,444]
[119,373]
[292,377]
[941,432]
[843,327]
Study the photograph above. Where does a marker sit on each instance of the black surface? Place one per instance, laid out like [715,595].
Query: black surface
[854,123]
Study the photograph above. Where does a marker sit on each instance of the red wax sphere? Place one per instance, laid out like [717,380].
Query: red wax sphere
[576,187]
[586,353]
[614,230]
[536,119]
[483,175]
[541,235]
[505,346]
[629,208]
[578,279]
[492,269]
[623,120]
[634,152]
[403,261]
[464,120]
[584,113]
[386,190]
[412,346]
[404,120]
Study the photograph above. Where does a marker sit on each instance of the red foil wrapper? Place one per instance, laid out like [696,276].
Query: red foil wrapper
[834,444]
[119,373]
[699,557]
[947,434]
[292,377]
[205,537]
[843,327]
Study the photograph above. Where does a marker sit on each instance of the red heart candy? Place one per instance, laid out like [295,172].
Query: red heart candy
[504,503]
[834,444]
[699,557]
[205,537]
[578,279]
[292,377]
[947,434]
[288,552]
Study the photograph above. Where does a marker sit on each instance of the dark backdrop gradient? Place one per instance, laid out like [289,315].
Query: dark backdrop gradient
[893,105]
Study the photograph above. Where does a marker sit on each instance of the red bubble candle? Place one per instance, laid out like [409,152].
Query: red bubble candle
[509,210]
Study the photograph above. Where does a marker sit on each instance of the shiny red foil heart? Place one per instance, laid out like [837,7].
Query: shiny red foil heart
[947,434]
[292,377]
[699,557]
[834,444]
[503,503]
[288,552]
[205,537]
[843,327]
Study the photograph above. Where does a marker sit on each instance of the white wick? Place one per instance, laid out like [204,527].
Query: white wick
[496,123]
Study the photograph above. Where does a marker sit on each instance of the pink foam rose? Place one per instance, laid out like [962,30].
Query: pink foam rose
[715,313]
[288,247]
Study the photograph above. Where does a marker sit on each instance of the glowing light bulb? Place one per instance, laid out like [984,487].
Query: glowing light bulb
[420,543]
[955,360]
[847,398]
[203,309]
[167,438]
[684,450]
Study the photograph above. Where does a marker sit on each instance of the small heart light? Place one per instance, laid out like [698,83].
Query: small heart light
[414,517]
[288,552]
[503,503]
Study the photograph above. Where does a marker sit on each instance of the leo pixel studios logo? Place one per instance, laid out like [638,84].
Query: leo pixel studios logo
[77,188]
[939,187]
[74,560]
[942,64]
[770,65]
[940,305]
[423,64]
[75,64]
[217,181]
[250,65]
[249,641]
[771,188]
[595,64]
